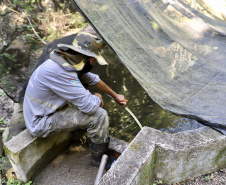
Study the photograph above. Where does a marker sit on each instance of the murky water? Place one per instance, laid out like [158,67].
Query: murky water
[123,126]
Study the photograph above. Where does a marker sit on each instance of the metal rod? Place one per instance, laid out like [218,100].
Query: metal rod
[134,117]
[101,168]
[130,112]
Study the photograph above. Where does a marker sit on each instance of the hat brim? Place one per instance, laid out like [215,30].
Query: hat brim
[99,58]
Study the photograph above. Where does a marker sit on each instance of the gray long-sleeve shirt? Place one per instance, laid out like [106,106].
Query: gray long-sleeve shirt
[51,87]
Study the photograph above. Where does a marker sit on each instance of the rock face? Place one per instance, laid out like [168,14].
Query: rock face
[14,68]
[17,62]
[7,31]
[168,157]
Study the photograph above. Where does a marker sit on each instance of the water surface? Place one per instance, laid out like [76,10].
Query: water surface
[149,113]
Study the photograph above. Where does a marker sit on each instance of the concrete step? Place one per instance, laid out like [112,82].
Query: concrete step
[29,155]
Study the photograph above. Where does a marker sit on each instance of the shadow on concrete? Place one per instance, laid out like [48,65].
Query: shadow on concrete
[71,167]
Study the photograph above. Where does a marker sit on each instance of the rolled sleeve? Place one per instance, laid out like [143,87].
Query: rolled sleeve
[90,78]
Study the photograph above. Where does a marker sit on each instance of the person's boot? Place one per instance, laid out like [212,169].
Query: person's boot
[78,135]
[97,150]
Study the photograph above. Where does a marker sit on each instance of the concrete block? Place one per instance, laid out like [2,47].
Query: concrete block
[117,145]
[168,157]
[138,155]
[17,123]
[190,154]
[29,155]
[17,116]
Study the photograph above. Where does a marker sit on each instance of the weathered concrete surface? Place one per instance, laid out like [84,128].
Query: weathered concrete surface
[70,168]
[28,155]
[73,167]
[169,157]
[17,123]
[17,116]
[117,145]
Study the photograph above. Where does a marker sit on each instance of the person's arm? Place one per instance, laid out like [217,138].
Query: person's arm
[68,86]
[119,98]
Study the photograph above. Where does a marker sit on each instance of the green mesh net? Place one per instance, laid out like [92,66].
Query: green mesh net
[175,49]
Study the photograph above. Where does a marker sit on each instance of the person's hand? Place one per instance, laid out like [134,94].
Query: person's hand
[101,99]
[120,99]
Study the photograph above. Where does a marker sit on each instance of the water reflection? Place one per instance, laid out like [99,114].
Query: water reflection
[123,126]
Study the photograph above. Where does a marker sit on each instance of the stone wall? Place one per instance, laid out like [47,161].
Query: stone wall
[168,157]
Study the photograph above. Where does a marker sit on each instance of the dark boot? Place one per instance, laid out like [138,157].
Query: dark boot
[79,135]
[97,150]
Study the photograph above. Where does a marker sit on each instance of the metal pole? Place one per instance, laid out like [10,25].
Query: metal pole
[130,112]
[101,168]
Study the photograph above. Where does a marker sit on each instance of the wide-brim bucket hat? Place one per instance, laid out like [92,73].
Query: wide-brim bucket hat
[87,44]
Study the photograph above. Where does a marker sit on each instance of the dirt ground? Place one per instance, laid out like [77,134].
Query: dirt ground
[215,178]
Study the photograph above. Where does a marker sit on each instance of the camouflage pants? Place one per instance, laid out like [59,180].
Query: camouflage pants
[69,118]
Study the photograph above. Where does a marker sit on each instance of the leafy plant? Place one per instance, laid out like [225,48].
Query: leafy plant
[77,21]
[157,182]
[2,121]
[2,93]
[9,56]
[1,129]
[207,178]
[29,183]
[23,4]
[2,158]
[53,34]
[13,181]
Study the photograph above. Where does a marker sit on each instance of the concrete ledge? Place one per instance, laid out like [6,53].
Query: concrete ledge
[117,145]
[169,157]
[29,155]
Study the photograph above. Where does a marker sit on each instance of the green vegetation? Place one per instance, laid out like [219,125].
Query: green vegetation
[2,158]
[221,157]
[154,25]
[34,23]
[2,93]
[2,121]
[11,181]
[8,56]
[207,178]
[49,23]
[59,24]
[5,67]
[17,182]
[75,23]
[157,182]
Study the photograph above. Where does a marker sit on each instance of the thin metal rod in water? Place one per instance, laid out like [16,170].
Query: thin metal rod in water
[130,112]
[101,168]
[134,117]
